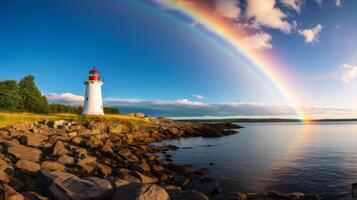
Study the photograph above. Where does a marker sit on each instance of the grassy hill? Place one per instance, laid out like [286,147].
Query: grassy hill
[13,118]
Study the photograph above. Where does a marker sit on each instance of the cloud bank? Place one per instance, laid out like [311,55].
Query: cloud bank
[188,108]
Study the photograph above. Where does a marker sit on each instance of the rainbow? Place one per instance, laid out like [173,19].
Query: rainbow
[234,37]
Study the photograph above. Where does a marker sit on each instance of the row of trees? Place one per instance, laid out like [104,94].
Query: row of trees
[26,97]
[60,108]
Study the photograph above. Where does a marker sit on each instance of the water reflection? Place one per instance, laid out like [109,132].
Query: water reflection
[279,156]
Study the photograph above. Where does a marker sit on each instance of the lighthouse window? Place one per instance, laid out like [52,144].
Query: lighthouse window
[86,98]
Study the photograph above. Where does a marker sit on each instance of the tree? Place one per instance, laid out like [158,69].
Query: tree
[32,99]
[10,99]
[111,110]
[60,108]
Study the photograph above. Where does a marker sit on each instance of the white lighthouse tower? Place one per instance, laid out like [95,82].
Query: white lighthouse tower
[93,102]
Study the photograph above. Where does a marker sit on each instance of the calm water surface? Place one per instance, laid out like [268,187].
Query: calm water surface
[286,157]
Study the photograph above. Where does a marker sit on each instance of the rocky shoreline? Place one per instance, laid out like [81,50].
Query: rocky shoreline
[108,159]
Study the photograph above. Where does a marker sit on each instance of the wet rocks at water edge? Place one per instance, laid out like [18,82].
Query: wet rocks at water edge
[106,159]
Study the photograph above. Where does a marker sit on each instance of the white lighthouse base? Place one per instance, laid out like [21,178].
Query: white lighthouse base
[93,103]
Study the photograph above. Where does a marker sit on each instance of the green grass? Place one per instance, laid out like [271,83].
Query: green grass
[14,118]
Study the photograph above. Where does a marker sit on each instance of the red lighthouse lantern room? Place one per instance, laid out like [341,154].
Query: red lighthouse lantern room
[94,75]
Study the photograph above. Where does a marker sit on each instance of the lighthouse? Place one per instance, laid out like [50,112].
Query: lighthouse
[93,102]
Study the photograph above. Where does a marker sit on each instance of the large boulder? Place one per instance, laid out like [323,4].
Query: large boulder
[24,153]
[66,160]
[140,191]
[52,166]
[65,186]
[33,140]
[59,149]
[56,124]
[144,178]
[29,167]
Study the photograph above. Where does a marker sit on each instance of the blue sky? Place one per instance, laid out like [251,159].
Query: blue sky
[154,61]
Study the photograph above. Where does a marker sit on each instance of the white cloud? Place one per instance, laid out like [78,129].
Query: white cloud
[65,98]
[311,35]
[338,2]
[293,4]
[258,41]
[187,102]
[198,96]
[228,8]
[349,73]
[266,14]
[319,2]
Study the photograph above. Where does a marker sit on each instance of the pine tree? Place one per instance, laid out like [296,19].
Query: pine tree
[32,99]
[10,99]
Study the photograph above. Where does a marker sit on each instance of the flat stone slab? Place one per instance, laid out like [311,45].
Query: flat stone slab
[27,166]
[24,153]
[65,186]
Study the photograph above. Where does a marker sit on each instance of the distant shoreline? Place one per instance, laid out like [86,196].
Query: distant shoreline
[267,120]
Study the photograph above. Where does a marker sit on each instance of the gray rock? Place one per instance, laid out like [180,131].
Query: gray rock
[99,181]
[66,160]
[120,182]
[81,152]
[32,140]
[140,191]
[179,180]
[76,140]
[137,114]
[59,149]
[143,166]
[65,186]
[55,124]
[103,169]
[86,160]
[52,166]
[24,153]
[27,166]
[128,178]
[144,178]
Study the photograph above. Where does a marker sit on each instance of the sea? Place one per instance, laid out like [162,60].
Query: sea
[278,156]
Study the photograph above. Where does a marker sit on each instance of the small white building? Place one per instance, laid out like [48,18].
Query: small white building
[93,102]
